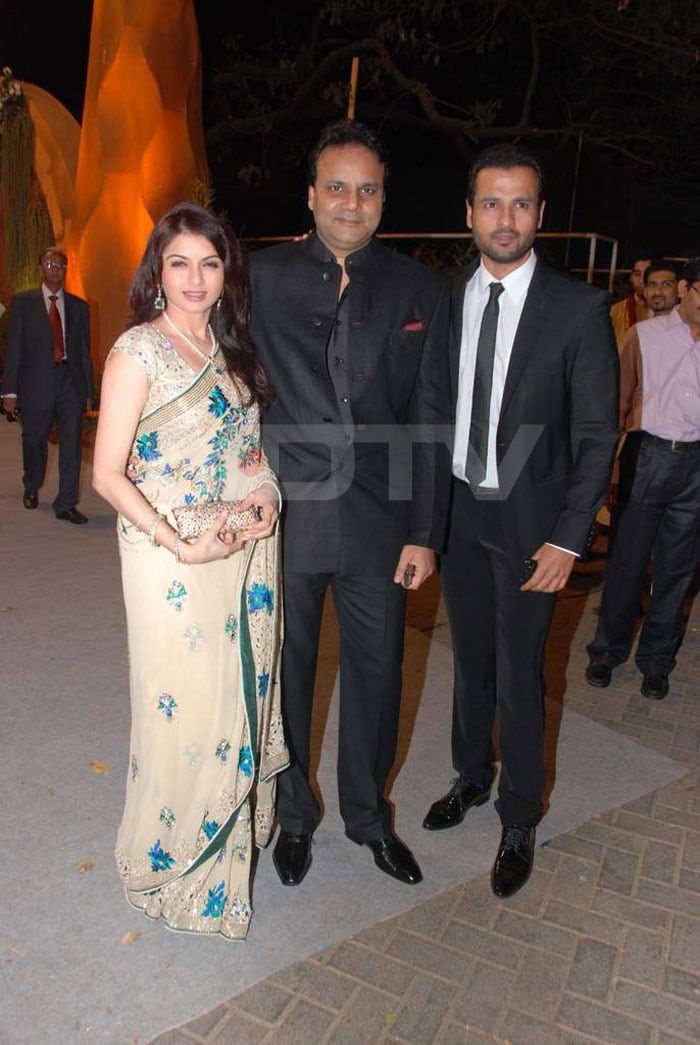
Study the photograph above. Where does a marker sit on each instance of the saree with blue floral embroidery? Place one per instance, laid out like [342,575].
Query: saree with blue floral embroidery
[204,647]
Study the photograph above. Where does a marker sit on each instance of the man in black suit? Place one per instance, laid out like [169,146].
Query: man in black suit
[353,337]
[534,387]
[48,375]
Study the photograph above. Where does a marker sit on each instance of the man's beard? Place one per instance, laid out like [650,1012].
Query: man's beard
[520,248]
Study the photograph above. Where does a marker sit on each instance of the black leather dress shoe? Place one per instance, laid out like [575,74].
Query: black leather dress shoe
[292,857]
[392,857]
[654,686]
[598,674]
[452,808]
[73,516]
[513,862]
[30,500]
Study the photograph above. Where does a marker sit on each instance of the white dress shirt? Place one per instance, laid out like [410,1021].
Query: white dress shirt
[510,303]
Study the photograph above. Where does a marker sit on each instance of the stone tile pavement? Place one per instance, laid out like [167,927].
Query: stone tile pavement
[603,944]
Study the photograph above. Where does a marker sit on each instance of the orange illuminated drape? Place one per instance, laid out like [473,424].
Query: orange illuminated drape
[57,137]
[141,147]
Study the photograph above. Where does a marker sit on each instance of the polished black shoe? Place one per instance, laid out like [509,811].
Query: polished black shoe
[452,808]
[392,857]
[513,862]
[30,500]
[654,686]
[598,674]
[292,857]
[73,516]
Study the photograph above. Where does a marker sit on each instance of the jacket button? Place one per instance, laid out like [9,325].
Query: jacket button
[316,321]
[328,420]
[326,276]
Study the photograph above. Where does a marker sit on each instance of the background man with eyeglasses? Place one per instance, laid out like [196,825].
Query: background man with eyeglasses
[48,375]
[660,396]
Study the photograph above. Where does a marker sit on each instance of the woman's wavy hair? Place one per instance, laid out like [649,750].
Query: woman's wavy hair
[229,320]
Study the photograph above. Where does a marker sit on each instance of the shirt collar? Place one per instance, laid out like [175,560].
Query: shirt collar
[516,283]
[668,319]
[48,293]
[320,251]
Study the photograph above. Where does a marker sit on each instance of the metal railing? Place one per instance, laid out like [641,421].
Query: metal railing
[590,267]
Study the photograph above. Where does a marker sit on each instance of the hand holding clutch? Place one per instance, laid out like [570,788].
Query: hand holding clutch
[195,519]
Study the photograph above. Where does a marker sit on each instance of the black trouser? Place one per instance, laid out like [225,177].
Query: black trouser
[67,411]
[498,638]
[662,518]
[370,614]
[627,464]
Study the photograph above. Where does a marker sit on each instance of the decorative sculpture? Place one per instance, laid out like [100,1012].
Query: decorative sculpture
[141,147]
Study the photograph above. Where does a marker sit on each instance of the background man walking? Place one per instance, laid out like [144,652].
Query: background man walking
[48,375]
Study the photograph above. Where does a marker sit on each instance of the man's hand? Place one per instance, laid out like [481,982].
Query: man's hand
[421,559]
[554,567]
[266,500]
[9,407]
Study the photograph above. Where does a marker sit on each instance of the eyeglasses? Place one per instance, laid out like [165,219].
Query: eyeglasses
[54,265]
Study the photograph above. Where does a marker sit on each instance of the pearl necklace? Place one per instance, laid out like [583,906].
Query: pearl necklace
[190,342]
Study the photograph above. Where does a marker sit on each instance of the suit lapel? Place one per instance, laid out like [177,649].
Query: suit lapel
[68,309]
[531,319]
[459,286]
[40,322]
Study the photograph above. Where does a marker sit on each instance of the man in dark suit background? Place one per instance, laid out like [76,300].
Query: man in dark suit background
[48,375]
[534,387]
[353,337]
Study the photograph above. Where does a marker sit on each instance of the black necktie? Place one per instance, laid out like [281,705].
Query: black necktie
[475,468]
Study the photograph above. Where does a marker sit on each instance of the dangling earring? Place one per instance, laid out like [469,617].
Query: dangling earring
[218,304]
[159,300]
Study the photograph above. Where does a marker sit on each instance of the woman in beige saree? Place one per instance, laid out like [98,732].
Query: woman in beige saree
[179,425]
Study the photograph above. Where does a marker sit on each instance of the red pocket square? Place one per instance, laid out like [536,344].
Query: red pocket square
[413,324]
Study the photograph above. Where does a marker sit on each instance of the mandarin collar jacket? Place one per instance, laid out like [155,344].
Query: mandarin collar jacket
[396,375]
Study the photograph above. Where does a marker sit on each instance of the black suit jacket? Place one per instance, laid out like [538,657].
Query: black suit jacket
[558,428]
[355,492]
[29,367]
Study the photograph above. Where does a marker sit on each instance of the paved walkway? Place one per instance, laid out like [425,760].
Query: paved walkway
[603,944]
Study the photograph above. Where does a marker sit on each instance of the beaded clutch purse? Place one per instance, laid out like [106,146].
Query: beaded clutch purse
[194,519]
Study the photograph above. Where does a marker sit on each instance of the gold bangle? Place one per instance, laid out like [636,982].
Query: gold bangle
[153,527]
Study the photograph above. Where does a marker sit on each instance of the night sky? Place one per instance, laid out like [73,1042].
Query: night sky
[28,32]
[415,201]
